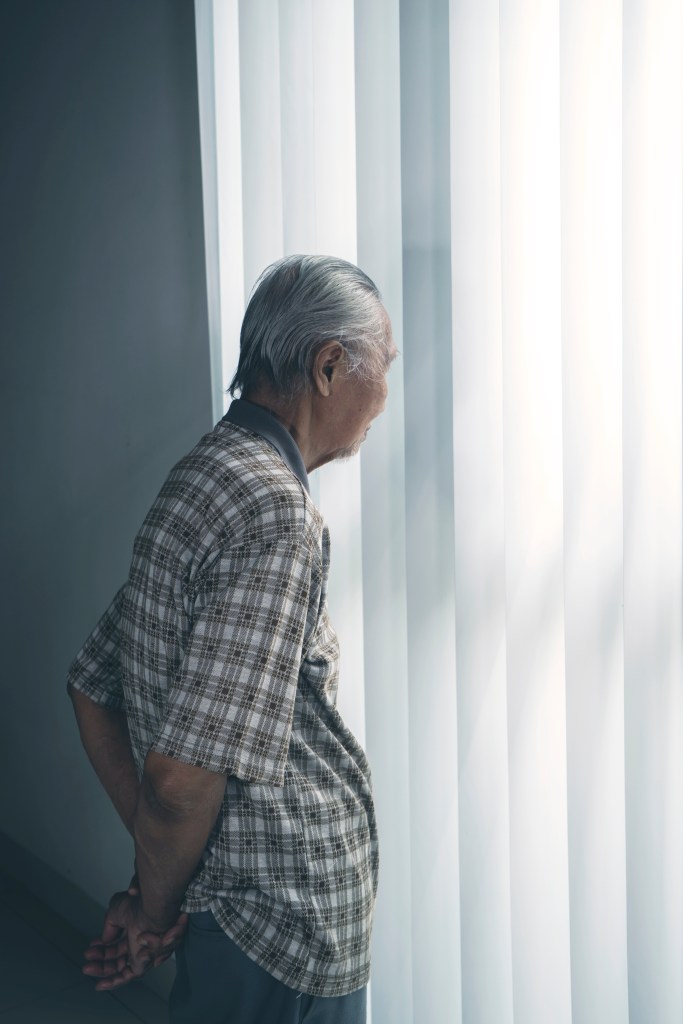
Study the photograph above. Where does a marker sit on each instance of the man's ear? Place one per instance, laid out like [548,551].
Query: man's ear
[328,364]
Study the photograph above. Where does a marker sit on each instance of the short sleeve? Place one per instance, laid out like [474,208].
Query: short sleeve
[96,671]
[231,703]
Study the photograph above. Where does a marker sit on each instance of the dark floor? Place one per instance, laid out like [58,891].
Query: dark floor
[40,971]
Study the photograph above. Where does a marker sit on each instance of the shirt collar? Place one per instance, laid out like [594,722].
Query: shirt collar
[259,421]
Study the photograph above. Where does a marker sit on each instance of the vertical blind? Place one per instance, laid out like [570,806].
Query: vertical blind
[507,549]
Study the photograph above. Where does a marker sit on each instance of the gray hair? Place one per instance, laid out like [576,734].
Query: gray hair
[297,304]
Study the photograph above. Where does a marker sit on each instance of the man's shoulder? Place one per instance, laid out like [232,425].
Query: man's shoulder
[234,485]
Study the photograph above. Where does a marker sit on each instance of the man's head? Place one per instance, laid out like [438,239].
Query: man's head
[298,304]
[315,348]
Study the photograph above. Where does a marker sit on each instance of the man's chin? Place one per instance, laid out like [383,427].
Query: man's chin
[348,453]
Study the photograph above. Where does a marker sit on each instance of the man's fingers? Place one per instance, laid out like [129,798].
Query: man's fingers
[122,978]
[115,973]
[100,951]
[106,968]
[155,942]
[164,950]
[122,953]
[171,935]
[179,928]
[141,966]
[111,931]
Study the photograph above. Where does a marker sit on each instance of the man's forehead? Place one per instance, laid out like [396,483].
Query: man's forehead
[391,351]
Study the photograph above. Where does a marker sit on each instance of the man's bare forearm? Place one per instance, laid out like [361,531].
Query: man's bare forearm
[105,737]
[177,809]
[170,814]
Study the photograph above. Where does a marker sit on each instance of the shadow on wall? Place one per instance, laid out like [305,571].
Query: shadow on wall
[106,380]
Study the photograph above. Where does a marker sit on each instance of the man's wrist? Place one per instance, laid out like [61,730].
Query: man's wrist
[157,920]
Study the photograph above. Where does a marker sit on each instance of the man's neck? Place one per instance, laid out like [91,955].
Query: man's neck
[296,416]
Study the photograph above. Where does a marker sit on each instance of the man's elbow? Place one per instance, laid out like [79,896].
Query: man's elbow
[173,790]
[83,706]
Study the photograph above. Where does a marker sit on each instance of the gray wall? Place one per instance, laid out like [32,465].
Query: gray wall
[105,369]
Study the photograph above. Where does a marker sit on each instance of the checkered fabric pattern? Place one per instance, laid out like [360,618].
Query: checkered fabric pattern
[220,649]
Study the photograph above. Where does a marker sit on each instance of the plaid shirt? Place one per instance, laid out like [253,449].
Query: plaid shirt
[220,649]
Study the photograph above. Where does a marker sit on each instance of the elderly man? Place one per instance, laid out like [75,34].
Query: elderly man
[206,695]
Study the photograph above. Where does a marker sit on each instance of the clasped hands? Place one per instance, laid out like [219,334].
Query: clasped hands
[129,945]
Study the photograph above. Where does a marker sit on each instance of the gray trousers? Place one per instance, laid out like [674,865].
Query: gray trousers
[216,983]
